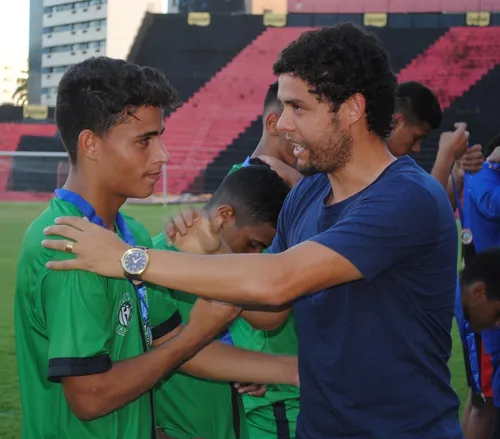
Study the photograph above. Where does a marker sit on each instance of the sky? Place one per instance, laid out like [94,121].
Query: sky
[14,29]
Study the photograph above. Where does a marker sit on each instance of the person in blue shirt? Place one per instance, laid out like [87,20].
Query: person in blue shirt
[480,290]
[371,284]
[482,218]
[480,300]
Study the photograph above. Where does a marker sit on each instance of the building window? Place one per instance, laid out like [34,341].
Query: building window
[81,25]
[62,28]
[80,46]
[57,49]
[97,23]
[65,7]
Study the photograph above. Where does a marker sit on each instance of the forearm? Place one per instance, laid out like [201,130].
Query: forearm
[442,168]
[221,362]
[127,380]
[240,279]
[450,189]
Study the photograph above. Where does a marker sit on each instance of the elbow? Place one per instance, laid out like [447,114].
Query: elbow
[86,411]
[275,289]
[87,405]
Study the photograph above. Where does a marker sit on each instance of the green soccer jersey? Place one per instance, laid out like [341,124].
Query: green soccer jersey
[275,414]
[74,323]
[189,407]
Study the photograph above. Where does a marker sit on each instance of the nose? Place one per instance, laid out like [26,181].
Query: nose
[162,155]
[285,122]
[416,147]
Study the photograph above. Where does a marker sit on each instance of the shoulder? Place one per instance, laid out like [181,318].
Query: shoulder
[485,179]
[307,190]
[140,233]
[31,252]
[235,168]
[406,186]
[159,243]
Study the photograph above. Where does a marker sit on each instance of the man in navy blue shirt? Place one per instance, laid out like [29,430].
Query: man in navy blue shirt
[366,251]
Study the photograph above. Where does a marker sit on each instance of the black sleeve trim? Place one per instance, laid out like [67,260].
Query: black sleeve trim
[74,366]
[167,326]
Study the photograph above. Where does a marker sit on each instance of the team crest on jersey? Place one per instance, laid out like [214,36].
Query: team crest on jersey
[124,314]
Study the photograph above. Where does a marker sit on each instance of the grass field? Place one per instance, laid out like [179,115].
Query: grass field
[14,218]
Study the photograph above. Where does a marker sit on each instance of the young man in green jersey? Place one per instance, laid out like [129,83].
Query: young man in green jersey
[274,415]
[83,341]
[244,210]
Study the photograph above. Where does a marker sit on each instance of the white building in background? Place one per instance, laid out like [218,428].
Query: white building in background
[10,70]
[75,30]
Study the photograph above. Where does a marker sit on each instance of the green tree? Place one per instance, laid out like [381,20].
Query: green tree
[20,95]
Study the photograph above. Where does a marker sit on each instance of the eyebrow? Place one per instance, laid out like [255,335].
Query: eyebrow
[150,134]
[297,102]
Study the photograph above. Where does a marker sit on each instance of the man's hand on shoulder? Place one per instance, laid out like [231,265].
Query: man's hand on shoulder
[202,238]
[191,231]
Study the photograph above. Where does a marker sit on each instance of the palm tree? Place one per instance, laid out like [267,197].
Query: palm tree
[21,93]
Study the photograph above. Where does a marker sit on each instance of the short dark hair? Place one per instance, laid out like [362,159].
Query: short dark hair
[99,93]
[491,145]
[418,104]
[340,61]
[484,267]
[255,192]
[271,96]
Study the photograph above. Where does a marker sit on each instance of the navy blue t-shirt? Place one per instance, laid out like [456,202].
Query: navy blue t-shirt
[373,353]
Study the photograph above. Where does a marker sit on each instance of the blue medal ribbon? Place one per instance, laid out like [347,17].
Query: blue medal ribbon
[88,211]
[467,333]
[246,162]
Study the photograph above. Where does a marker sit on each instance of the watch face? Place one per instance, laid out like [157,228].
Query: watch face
[135,262]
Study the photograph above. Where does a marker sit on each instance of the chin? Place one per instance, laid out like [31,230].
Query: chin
[141,194]
[307,171]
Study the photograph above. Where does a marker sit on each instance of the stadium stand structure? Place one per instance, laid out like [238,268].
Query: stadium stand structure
[390,6]
[222,72]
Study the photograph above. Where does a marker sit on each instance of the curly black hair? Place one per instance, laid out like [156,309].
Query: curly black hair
[99,93]
[340,61]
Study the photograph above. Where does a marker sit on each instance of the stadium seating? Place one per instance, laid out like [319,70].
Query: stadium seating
[390,6]
[222,72]
[455,62]
[10,139]
[212,119]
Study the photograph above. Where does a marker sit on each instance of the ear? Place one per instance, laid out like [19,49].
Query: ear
[271,124]
[87,144]
[399,120]
[354,108]
[224,216]
[479,290]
